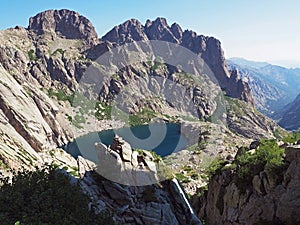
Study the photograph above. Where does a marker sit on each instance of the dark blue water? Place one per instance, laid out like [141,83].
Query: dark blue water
[163,138]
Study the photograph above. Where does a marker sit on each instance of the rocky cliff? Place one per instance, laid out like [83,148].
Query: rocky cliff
[270,197]
[136,203]
[68,24]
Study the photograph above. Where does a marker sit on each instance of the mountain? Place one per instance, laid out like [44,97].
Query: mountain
[47,100]
[247,63]
[272,86]
[208,47]
[290,116]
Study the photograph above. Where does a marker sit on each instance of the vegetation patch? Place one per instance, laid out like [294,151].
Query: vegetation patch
[61,95]
[45,196]
[292,138]
[215,167]
[182,178]
[59,50]
[144,116]
[268,156]
[32,56]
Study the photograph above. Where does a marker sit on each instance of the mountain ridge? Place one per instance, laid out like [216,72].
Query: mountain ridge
[272,86]
[209,48]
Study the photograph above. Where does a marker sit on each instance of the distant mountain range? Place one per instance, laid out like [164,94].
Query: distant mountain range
[273,87]
[290,116]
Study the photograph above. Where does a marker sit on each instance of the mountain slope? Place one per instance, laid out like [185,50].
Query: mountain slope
[272,86]
[290,118]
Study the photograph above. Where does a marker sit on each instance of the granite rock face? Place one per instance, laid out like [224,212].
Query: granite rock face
[67,23]
[273,198]
[144,200]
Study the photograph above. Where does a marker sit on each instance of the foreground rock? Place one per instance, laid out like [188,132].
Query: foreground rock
[136,203]
[273,198]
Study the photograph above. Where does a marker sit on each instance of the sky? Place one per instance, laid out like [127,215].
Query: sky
[259,30]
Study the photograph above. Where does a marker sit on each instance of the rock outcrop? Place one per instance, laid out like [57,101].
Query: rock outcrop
[121,164]
[273,197]
[144,200]
[66,23]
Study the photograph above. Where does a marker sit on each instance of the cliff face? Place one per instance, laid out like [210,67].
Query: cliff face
[271,198]
[67,23]
[143,200]
[208,48]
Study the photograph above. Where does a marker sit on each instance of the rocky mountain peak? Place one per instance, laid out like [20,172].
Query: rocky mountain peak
[208,47]
[65,23]
[176,30]
[160,30]
[129,31]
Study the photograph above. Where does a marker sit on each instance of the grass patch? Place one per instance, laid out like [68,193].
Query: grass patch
[292,138]
[142,117]
[182,178]
[61,95]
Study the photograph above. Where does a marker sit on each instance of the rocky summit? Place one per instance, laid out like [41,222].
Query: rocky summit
[46,101]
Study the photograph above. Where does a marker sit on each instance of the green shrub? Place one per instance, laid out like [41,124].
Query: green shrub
[45,196]
[142,117]
[268,156]
[32,56]
[156,158]
[292,138]
[214,167]
[182,178]
[61,95]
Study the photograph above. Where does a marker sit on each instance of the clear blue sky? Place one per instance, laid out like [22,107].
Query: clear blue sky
[262,30]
